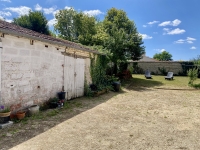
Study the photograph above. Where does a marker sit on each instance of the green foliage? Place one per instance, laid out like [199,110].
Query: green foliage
[54,99]
[116,35]
[4,109]
[130,68]
[75,26]
[164,56]
[35,21]
[98,73]
[192,74]
[163,70]
[123,40]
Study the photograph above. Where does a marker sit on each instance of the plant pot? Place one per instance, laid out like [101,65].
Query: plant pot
[4,119]
[20,115]
[116,86]
[6,114]
[34,109]
[61,95]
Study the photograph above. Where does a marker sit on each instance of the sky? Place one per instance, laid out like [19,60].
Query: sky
[165,25]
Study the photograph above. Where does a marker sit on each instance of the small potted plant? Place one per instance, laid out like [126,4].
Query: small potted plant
[53,102]
[20,114]
[4,114]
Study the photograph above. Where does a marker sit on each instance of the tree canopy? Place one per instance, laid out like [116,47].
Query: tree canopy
[164,56]
[35,21]
[75,26]
[124,42]
[116,35]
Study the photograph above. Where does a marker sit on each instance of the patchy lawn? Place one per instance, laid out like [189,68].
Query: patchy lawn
[147,114]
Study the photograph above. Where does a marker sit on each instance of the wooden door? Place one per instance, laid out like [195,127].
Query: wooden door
[74,73]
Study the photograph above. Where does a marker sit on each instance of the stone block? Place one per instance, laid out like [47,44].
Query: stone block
[28,46]
[24,67]
[15,76]
[27,75]
[39,46]
[24,53]
[27,89]
[10,84]
[17,59]
[10,67]
[6,42]
[35,53]
[23,83]
[12,51]
[18,44]
[6,58]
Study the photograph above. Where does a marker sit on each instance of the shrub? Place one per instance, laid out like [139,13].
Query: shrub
[192,74]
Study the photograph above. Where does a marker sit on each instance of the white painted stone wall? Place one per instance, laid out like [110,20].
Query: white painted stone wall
[31,74]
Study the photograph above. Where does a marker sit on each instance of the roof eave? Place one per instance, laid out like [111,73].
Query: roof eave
[48,41]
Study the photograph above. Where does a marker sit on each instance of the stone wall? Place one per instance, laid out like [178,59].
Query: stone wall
[177,67]
[30,74]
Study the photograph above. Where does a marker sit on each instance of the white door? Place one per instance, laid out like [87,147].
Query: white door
[79,77]
[74,71]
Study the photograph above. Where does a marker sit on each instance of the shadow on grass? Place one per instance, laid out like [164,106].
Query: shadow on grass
[138,84]
[49,118]
[178,89]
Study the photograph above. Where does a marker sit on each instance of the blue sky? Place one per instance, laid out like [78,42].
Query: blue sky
[166,25]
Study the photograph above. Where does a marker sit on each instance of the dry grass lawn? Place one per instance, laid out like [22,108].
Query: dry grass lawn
[151,114]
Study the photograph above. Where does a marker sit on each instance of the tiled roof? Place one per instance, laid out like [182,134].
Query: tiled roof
[16,30]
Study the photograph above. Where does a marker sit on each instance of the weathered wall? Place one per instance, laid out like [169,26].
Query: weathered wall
[30,73]
[173,66]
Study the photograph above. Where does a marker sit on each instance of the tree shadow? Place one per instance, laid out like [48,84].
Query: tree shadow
[50,118]
[138,84]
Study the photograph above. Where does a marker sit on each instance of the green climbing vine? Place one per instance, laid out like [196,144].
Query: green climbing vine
[98,71]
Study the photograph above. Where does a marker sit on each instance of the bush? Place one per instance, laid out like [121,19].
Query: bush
[192,74]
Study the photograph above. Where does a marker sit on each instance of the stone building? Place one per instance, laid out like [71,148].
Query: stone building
[34,67]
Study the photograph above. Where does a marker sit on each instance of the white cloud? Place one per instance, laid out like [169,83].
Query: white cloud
[176,22]
[38,7]
[9,1]
[67,7]
[22,10]
[190,39]
[54,13]
[190,42]
[165,23]
[5,14]
[52,22]
[144,26]
[175,31]
[145,36]
[160,50]
[155,32]
[193,47]
[153,22]
[93,12]
[49,10]
[179,41]
[1,18]
[166,29]
[8,20]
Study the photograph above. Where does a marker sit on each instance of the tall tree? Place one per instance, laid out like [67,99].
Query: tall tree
[124,42]
[35,21]
[75,26]
[164,56]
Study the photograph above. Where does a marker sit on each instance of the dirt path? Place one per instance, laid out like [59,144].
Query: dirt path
[141,119]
